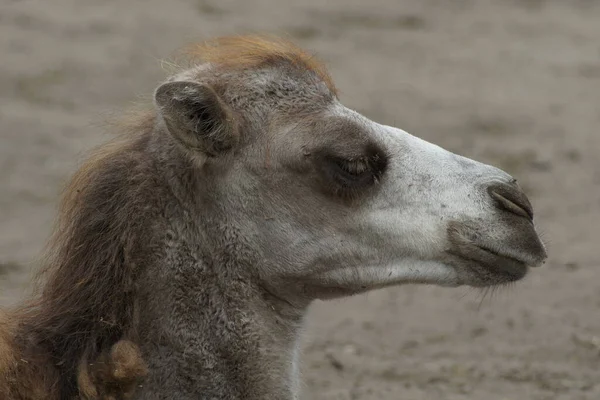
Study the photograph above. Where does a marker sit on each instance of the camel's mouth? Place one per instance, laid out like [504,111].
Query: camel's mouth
[501,268]
[483,257]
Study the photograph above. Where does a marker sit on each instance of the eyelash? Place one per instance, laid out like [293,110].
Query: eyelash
[353,167]
[351,175]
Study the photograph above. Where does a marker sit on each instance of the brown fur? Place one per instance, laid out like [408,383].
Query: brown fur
[22,377]
[115,374]
[87,301]
[246,52]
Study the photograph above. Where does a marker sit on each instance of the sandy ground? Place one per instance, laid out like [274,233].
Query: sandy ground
[515,83]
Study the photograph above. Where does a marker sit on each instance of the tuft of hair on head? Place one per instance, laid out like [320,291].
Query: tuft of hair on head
[255,51]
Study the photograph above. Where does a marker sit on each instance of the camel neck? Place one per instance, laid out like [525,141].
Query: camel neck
[219,339]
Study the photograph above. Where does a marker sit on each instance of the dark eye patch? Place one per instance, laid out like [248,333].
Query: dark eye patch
[348,176]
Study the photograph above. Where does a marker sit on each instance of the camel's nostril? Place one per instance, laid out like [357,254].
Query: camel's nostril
[511,199]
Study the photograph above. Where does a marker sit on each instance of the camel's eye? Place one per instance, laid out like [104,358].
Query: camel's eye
[353,169]
[351,175]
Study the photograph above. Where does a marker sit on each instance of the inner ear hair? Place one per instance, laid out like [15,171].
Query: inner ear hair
[197,117]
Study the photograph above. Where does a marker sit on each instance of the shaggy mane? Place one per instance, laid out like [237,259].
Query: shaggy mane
[253,51]
[83,311]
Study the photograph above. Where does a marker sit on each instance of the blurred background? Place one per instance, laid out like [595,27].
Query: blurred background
[514,83]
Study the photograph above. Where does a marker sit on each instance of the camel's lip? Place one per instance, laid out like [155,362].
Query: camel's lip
[494,255]
[493,261]
[504,261]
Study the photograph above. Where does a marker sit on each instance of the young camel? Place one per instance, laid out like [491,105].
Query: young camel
[188,250]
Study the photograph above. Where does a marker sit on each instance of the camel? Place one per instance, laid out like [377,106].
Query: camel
[188,248]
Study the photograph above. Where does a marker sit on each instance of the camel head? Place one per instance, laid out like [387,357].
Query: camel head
[330,202]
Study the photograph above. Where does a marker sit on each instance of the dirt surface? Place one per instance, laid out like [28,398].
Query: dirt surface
[515,83]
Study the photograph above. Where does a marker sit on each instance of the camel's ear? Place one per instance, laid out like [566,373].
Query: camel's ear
[197,117]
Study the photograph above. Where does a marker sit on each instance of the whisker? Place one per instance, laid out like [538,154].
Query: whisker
[485,293]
